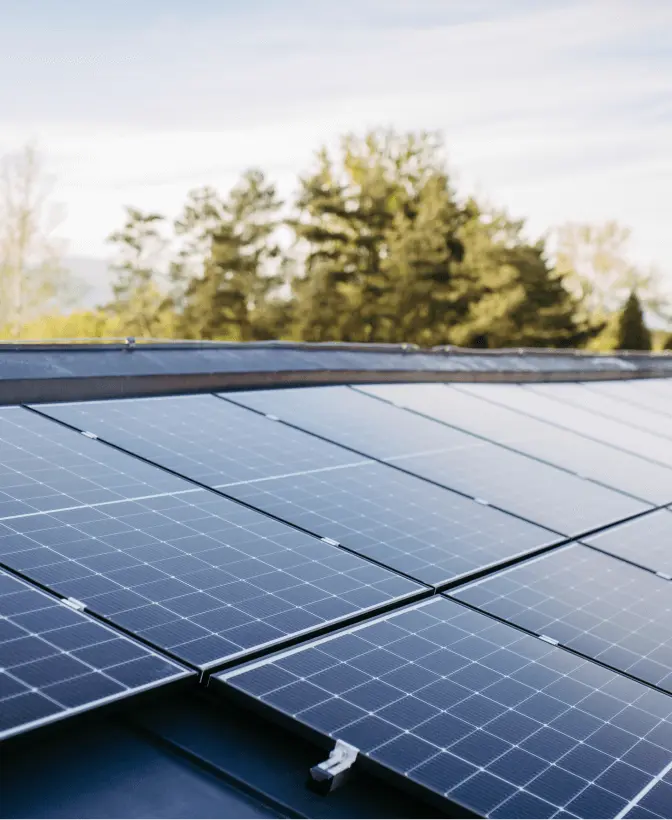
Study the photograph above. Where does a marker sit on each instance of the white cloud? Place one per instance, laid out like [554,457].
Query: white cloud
[557,110]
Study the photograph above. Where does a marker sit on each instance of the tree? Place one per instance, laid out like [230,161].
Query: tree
[516,299]
[139,306]
[377,223]
[32,277]
[668,342]
[632,333]
[594,262]
[233,242]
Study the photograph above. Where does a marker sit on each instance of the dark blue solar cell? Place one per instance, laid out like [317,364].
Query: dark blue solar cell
[68,660]
[592,603]
[487,754]
[227,580]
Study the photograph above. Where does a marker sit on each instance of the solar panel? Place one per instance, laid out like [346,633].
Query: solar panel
[348,417]
[473,711]
[56,661]
[539,492]
[414,527]
[44,466]
[646,541]
[636,393]
[656,799]
[203,437]
[196,574]
[563,448]
[602,405]
[219,443]
[581,421]
[590,602]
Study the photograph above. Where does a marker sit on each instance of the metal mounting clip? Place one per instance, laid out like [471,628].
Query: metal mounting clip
[329,774]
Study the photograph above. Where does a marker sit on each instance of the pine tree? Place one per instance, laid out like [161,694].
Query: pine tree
[632,333]
[378,224]
[139,307]
[515,298]
[235,283]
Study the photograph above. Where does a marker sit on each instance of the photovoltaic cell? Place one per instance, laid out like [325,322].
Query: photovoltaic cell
[348,417]
[414,527]
[44,466]
[563,448]
[474,711]
[196,574]
[638,393]
[539,492]
[646,541]
[56,661]
[578,420]
[513,482]
[579,396]
[590,602]
[203,437]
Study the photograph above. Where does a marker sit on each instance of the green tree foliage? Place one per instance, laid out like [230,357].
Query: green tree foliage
[233,240]
[138,306]
[378,224]
[515,298]
[632,333]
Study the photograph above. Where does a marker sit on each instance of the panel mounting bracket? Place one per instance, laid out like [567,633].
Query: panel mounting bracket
[73,603]
[331,773]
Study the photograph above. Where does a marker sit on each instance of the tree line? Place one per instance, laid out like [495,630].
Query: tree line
[376,246]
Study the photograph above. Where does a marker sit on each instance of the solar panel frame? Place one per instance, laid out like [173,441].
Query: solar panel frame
[594,460]
[602,405]
[470,725]
[589,602]
[52,655]
[398,520]
[644,541]
[622,436]
[201,577]
[44,466]
[201,437]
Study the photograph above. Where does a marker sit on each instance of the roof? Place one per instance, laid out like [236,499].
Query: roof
[217,561]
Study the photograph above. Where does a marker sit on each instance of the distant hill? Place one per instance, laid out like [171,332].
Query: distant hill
[95,277]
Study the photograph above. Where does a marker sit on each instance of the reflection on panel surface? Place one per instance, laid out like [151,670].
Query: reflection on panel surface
[55,661]
[197,574]
[44,466]
[590,602]
[405,523]
[646,541]
[475,711]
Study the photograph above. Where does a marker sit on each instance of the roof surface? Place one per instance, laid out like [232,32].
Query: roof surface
[217,561]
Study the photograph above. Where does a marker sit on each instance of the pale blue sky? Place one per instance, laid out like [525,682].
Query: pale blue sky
[556,109]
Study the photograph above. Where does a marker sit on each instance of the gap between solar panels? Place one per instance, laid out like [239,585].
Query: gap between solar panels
[638,490]
[472,712]
[57,662]
[228,492]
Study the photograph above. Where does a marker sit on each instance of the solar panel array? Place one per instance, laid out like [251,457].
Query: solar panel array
[56,661]
[468,583]
[476,711]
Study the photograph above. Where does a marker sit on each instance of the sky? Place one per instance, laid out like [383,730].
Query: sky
[554,109]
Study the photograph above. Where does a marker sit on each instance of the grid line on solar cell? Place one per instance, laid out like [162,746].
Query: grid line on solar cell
[414,527]
[197,575]
[203,437]
[590,602]
[455,406]
[655,798]
[474,710]
[56,662]
[636,394]
[458,461]
[44,466]
[603,405]
[529,402]
[351,501]
[645,541]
